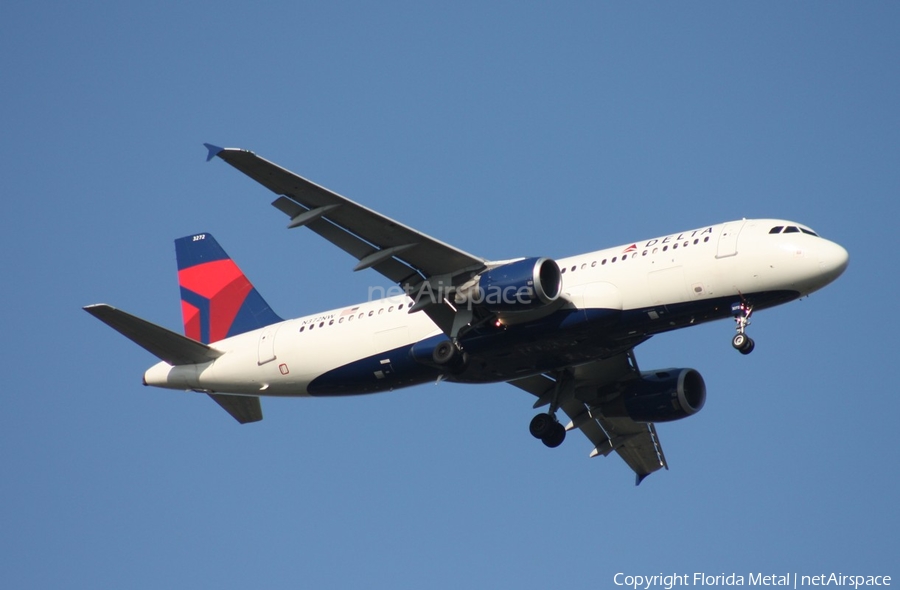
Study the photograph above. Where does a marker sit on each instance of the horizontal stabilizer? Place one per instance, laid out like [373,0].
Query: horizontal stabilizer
[169,346]
[242,408]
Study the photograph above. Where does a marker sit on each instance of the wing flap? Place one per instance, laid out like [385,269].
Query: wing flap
[355,229]
[354,246]
[636,443]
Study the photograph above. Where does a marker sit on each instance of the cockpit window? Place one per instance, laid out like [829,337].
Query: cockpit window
[778,229]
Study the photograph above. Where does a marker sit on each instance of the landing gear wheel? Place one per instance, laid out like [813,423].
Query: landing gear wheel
[449,355]
[742,311]
[743,343]
[541,425]
[548,430]
[444,353]
[556,436]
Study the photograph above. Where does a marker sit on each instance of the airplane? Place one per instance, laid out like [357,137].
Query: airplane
[562,330]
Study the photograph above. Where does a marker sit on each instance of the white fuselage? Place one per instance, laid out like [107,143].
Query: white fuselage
[696,272]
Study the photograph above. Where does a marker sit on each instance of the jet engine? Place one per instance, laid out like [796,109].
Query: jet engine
[516,286]
[659,396]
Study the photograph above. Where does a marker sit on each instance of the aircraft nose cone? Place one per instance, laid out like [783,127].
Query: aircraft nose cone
[833,260]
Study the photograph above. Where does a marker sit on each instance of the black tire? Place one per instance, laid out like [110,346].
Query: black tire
[556,436]
[541,425]
[748,346]
[739,342]
[445,353]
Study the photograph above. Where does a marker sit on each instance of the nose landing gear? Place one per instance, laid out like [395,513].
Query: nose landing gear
[741,342]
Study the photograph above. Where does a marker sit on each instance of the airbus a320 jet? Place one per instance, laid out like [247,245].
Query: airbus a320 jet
[562,330]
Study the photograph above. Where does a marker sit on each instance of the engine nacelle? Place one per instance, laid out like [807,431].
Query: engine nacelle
[660,396]
[516,286]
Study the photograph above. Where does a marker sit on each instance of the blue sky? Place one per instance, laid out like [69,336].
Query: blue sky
[506,129]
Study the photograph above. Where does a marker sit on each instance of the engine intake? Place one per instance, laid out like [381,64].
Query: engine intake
[524,284]
[660,396]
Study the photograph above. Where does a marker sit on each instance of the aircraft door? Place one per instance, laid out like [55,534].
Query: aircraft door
[267,344]
[728,239]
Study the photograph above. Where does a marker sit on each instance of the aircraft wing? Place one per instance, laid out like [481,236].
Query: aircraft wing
[635,442]
[402,254]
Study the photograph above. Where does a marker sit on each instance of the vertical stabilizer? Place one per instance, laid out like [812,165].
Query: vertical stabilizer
[217,300]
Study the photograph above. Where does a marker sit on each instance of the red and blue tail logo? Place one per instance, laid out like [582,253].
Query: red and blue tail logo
[217,300]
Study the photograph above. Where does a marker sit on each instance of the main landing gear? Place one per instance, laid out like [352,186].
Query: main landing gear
[548,429]
[449,354]
[741,342]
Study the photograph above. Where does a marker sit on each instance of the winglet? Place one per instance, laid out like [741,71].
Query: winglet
[639,477]
[214,151]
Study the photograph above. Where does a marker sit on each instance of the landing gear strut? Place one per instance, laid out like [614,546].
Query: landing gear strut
[449,354]
[741,342]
